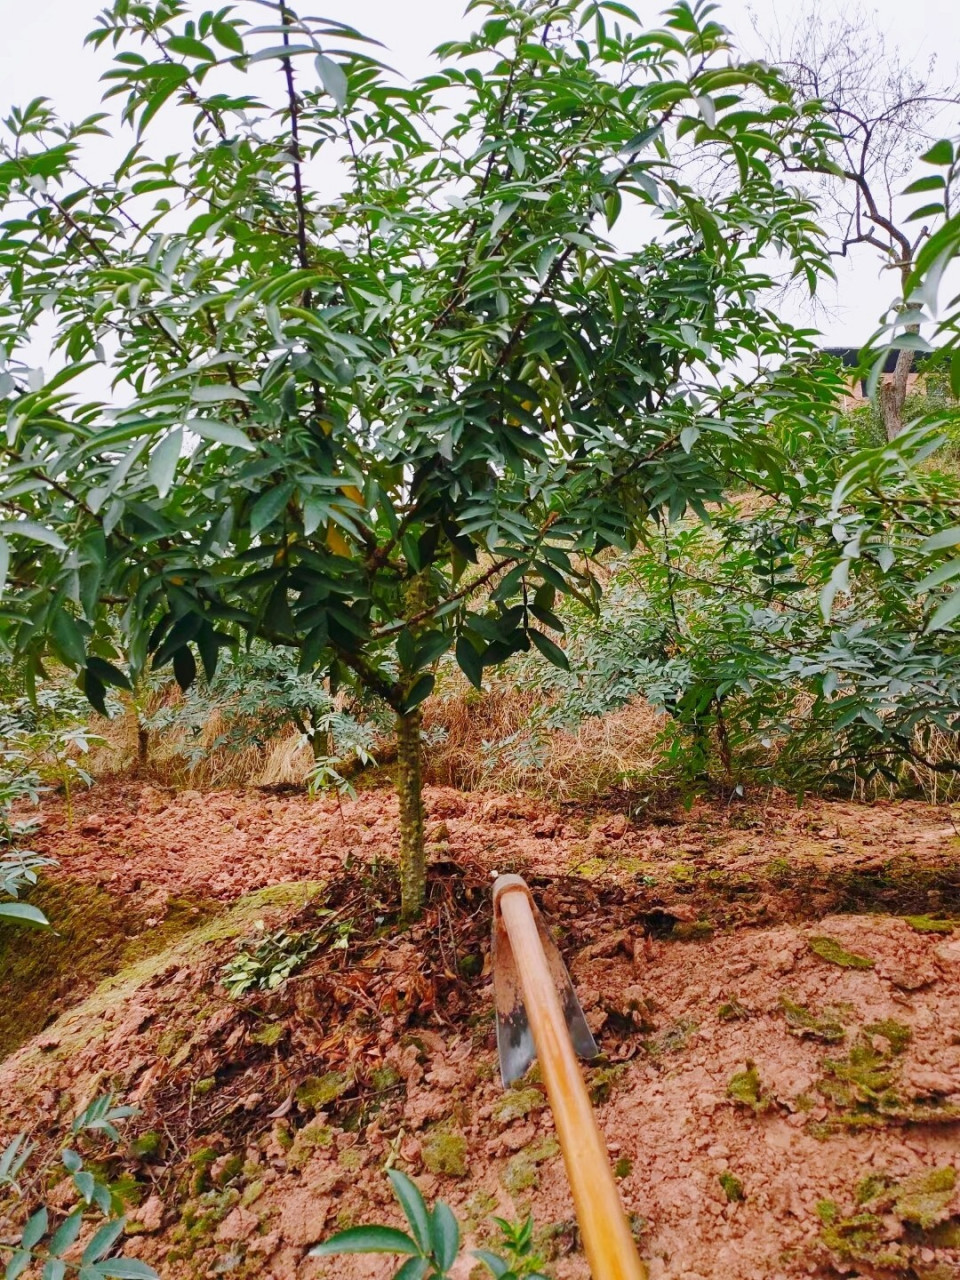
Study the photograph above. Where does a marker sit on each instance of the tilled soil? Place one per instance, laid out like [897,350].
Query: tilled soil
[781,1082]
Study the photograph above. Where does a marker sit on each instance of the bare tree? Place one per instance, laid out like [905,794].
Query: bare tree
[883,113]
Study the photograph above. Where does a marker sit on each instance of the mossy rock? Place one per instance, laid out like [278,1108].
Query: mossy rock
[923,1198]
[834,953]
[805,1024]
[445,1153]
[317,1092]
[517,1103]
[306,1142]
[927,924]
[44,971]
[897,1035]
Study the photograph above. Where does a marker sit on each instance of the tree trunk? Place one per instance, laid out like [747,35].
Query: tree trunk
[143,747]
[893,394]
[413,866]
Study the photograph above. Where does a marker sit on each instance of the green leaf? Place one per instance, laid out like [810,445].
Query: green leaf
[34,531]
[333,79]
[221,432]
[945,538]
[127,1269]
[414,1209]
[369,1239]
[107,673]
[932,182]
[492,1261]
[53,1269]
[228,36]
[103,1240]
[35,1229]
[66,1233]
[268,506]
[17,1264]
[946,613]
[68,638]
[469,662]
[184,667]
[413,1269]
[940,153]
[420,690]
[22,913]
[954,384]
[190,48]
[163,461]
[444,1235]
[551,651]
[216,393]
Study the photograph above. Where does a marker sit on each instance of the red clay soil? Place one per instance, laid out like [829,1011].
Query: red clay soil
[781,1083]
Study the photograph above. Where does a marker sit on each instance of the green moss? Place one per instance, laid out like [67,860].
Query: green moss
[232,1167]
[478,1209]
[146,1146]
[94,934]
[445,1152]
[830,950]
[269,1035]
[318,1092]
[307,1140]
[732,1187]
[42,970]
[623,1167]
[251,1193]
[692,931]
[384,1078]
[601,1081]
[896,1033]
[927,924]
[517,1103]
[470,966]
[350,1159]
[803,1023]
[856,1238]
[870,1187]
[828,1211]
[200,1161]
[745,1088]
[522,1172]
[923,1198]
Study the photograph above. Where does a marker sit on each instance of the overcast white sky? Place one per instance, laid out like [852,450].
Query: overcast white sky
[42,52]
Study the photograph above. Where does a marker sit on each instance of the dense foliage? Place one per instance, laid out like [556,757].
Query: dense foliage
[360,350]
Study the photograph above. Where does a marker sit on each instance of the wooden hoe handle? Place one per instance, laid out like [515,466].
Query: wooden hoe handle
[607,1241]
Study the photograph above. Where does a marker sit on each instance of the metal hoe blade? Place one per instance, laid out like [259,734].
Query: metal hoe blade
[514,1037]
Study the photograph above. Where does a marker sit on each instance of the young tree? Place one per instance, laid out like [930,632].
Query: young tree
[380,385]
[882,110]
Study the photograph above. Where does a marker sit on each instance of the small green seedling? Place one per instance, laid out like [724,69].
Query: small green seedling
[432,1245]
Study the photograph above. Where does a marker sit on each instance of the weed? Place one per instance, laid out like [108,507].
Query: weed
[268,962]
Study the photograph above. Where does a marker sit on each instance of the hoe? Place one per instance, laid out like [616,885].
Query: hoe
[539,1016]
